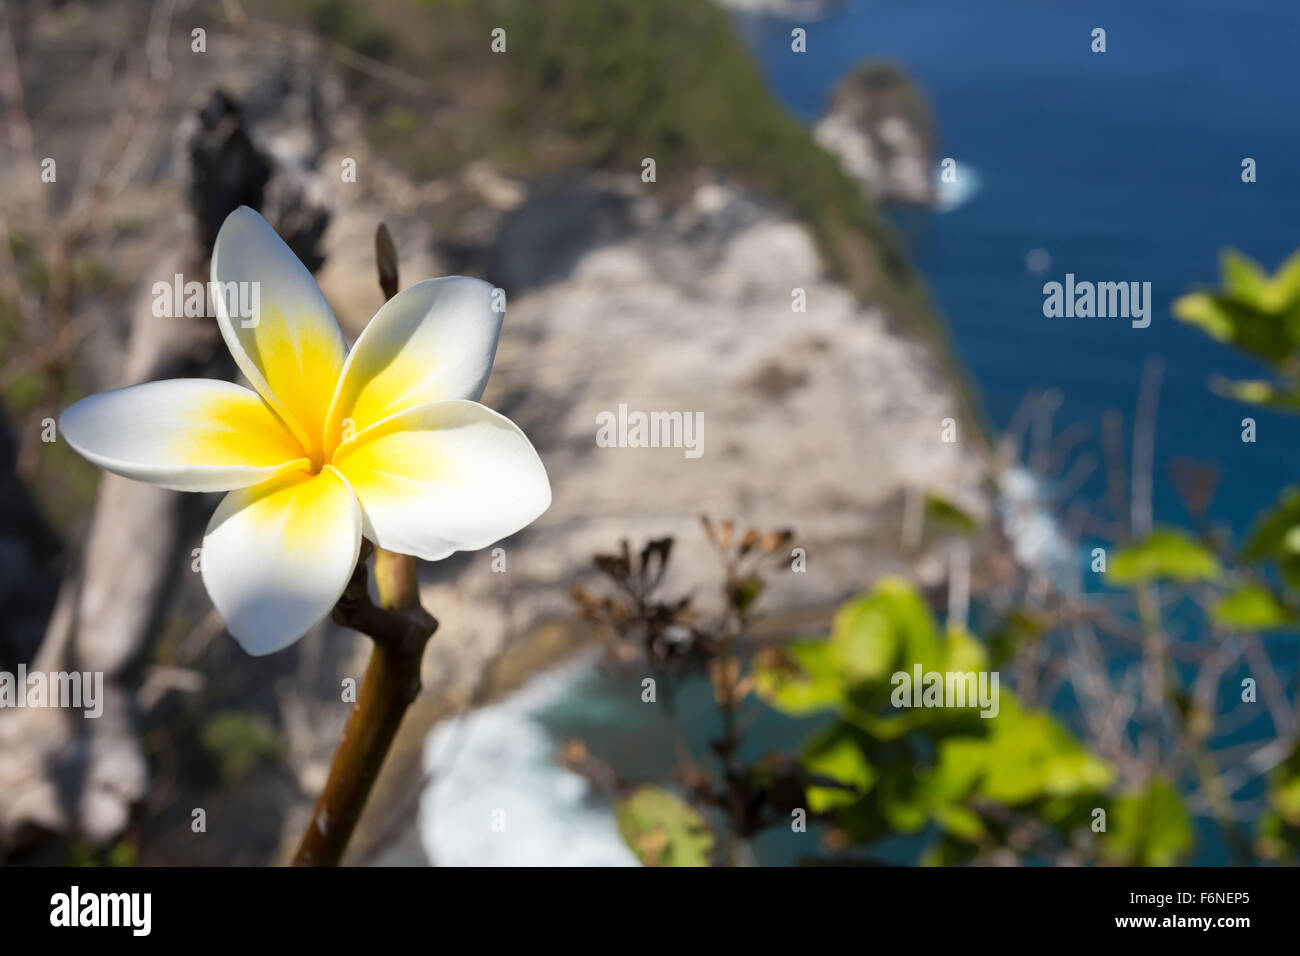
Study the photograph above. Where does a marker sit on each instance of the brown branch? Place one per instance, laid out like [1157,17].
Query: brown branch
[391,683]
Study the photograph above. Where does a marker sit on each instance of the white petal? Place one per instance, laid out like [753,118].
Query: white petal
[190,434]
[432,342]
[276,557]
[290,347]
[444,477]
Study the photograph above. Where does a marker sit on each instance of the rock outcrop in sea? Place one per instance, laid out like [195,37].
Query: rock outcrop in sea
[878,124]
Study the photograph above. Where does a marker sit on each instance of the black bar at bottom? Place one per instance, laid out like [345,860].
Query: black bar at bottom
[212,906]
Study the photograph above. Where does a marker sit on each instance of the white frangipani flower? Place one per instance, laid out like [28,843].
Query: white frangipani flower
[386,441]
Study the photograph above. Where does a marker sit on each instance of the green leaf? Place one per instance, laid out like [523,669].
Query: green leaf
[1276,537]
[960,822]
[942,512]
[1252,608]
[1286,797]
[963,653]
[1273,534]
[1284,789]
[874,633]
[1030,756]
[837,754]
[1202,310]
[962,762]
[746,592]
[1242,277]
[663,830]
[903,803]
[813,684]
[864,640]
[892,727]
[1166,554]
[1283,290]
[1149,828]
[1266,335]
[948,852]
[1255,312]
[1256,392]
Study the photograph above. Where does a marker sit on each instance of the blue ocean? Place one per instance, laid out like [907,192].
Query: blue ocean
[1122,166]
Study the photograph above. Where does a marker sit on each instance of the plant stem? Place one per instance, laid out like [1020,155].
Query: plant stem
[400,628]
[395,580]
[728,747]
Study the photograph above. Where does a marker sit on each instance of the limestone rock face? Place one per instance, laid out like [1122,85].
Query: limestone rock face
[818,420]
[878,125]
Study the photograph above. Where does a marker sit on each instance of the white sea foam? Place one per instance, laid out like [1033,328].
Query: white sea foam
[779,9]
[953,195]
[1036,537]
[499,758]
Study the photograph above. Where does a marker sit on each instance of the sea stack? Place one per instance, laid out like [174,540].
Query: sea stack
[878,124]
